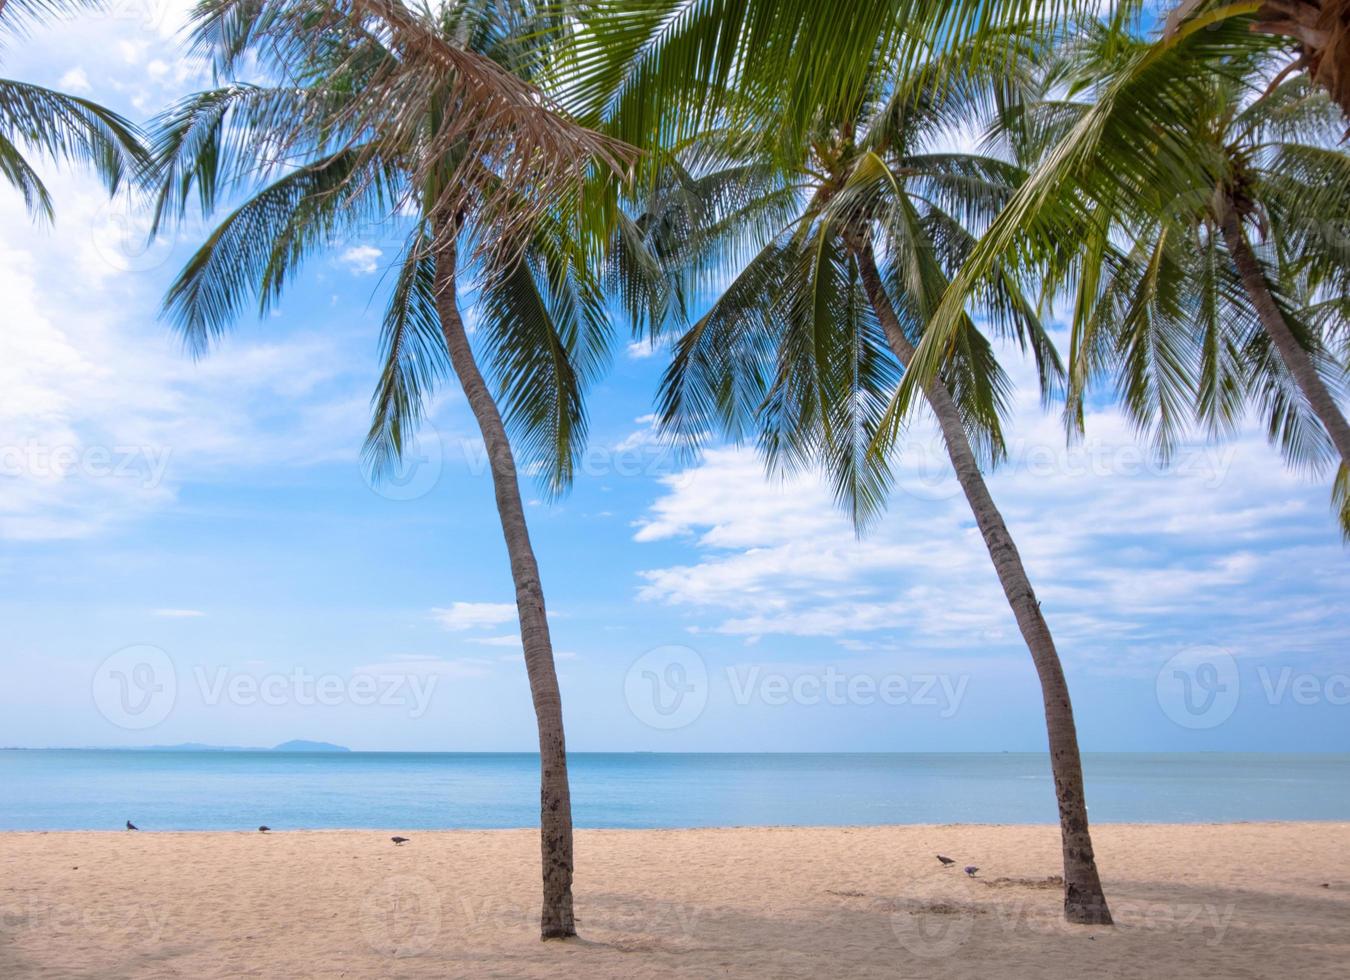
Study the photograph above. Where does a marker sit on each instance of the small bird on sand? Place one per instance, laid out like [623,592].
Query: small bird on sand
[399,840]
[132,826]
[946,861]
[264,829]
[970,869]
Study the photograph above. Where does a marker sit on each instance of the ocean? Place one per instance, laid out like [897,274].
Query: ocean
[60,789]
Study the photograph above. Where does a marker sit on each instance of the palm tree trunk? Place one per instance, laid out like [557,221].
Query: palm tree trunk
[1084,901]
[555,810]
[1295,358]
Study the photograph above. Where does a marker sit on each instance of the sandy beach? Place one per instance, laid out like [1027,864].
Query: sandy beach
[1221,901]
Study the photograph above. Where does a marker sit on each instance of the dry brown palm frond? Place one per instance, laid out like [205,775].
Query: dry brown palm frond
[1322,30]
[1320,27]
[532,145]
[498,151]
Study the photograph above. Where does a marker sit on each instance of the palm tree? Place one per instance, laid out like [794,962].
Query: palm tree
[1222,190]
[1230,292]
[373,118]
[843,242]
[63,127]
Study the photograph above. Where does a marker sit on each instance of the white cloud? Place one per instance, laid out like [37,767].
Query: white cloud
[75,81]
[55,405]
[102,416]
[363,260]
[730,503]
[1126,558]
[178,613]
[505,640]
[133,52]
[648,444]
[460,616]
[641,350]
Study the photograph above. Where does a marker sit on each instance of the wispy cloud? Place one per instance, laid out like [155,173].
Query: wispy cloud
[460,616]
[102,414]
[641,350]
[505,640]
[76,81]
[178,613]
[1127,558]
[363,260]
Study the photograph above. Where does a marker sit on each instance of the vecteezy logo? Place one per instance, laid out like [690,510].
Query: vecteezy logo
[667,687]
[122,239]
[401,916]
[136,687]
[934,931]
[416,472]
[1199,687]
[925,470]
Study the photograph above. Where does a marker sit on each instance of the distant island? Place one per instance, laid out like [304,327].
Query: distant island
[295,745]
[301,745]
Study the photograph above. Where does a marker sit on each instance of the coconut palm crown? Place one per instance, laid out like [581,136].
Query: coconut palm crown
[1189,199]
[1233,295]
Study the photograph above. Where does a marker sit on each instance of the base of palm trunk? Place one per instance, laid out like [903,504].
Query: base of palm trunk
[556,920]
[1084,899]
[1085,909]
[558,932]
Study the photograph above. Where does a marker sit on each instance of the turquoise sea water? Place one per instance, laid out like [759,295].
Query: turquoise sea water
[91,790]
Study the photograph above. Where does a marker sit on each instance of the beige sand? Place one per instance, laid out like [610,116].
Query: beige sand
[1222,901]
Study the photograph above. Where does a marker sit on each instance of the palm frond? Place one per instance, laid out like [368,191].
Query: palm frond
[832,379]
[261,244]
[19,17]
[1128,148]
[413,352]
[23,178]
[722,367]
[1340,500]
[660,70]
[548,336]
[66,128]
[224,140]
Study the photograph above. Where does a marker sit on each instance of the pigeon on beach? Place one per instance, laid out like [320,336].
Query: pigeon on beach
[399,840]
[264,829]
[946,861]
[132,826]
[971,869]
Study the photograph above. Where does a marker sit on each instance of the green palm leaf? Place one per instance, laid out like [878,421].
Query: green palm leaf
[65,128]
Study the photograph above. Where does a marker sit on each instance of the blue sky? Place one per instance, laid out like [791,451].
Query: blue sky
[216,513]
